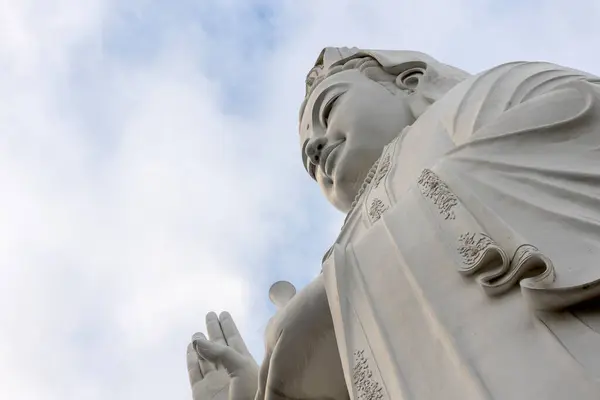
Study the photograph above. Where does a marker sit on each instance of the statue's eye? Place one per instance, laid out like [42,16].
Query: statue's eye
[327,108]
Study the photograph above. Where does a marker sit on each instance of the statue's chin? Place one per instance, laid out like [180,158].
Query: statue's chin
[346,187]
[353,167]
[342,196]
[342,206]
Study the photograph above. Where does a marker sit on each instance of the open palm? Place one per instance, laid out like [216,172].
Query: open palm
[221,367]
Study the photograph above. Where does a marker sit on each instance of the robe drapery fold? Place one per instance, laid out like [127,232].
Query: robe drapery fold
[499,180]
[527,165]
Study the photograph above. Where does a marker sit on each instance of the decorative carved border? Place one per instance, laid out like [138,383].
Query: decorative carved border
[377,209]
[384,168]
[438,192]
[472,247]
[366,387]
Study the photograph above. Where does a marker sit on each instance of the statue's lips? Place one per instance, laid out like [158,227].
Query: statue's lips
[328,158]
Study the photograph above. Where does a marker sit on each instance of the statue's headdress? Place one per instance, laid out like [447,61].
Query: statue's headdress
[329,57]
[436,78]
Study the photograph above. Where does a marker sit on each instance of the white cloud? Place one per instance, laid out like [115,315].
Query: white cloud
[134,199]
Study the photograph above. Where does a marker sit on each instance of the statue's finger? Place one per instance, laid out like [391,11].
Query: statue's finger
[213,327]
[205,365]
[193,366]
[232,334]
[221,355]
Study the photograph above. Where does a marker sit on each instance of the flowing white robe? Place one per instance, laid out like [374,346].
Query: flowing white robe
[495,187]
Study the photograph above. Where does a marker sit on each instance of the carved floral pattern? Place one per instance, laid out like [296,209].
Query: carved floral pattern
[438,192]
[383,170]
[472,246]
[377,209]
[366,387]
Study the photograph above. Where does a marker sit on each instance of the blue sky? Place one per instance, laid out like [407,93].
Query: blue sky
[150,166]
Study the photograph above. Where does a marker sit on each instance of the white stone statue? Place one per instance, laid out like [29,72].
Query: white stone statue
[467,267]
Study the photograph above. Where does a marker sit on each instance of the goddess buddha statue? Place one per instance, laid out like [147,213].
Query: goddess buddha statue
[466,267]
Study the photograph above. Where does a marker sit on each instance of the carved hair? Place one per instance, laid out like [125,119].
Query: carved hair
[365,65]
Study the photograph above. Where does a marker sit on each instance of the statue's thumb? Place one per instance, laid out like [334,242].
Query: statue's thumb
[219,354]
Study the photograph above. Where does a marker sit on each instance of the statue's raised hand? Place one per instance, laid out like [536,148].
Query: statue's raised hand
[221,368]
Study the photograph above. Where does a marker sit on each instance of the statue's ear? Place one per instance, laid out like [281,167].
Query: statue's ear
[426,83]
[412,78]
[281,293]
[409,74]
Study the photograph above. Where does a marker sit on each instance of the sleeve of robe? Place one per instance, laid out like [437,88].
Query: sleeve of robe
[528,140]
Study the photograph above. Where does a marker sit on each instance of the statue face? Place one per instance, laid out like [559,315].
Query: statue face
[347,121]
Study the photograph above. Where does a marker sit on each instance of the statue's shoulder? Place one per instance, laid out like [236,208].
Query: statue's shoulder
[503,93]
[485,97]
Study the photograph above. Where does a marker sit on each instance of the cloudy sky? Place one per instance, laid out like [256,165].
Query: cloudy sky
[150,168]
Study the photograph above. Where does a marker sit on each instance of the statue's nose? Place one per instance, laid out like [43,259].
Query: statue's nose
[314,149]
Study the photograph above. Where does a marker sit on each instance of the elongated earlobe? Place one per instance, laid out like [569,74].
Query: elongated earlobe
[418,104]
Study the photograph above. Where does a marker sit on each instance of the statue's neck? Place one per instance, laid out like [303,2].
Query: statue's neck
[369,178]
[367,181]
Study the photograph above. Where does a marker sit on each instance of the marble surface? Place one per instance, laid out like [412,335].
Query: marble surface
[467,264]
